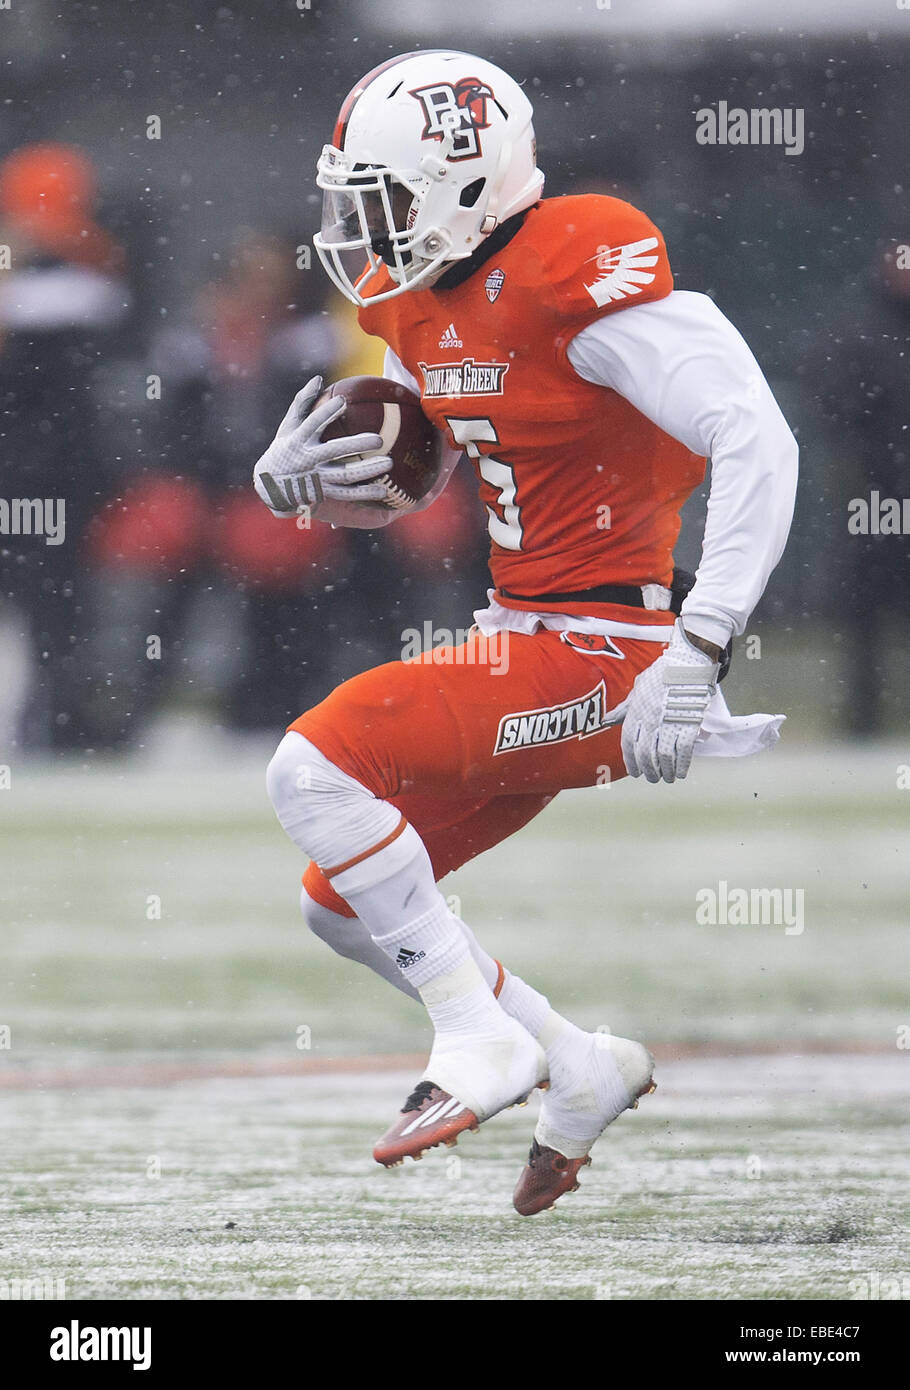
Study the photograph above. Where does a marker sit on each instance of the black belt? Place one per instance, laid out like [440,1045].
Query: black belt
[625,594]
[630,597]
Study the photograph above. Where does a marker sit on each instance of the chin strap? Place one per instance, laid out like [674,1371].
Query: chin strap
[502,167]
[460,271]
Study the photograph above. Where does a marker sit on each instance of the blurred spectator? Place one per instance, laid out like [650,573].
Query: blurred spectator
[862,384]
[62,299]
[189,525]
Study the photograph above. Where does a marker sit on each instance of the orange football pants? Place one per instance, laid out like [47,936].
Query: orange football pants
[471,742]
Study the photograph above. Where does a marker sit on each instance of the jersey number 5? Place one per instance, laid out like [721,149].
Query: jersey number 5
[503,523]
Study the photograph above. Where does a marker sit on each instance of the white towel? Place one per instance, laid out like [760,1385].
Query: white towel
[722,734]
[726,735]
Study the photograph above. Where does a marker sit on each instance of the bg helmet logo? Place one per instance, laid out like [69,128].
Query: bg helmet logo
[461,109]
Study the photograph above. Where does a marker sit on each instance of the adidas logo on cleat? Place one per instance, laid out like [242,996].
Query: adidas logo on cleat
[406,958]
[443,1109]
[429,1116]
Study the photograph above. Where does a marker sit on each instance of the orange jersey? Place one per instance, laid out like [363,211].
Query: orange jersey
[581,489]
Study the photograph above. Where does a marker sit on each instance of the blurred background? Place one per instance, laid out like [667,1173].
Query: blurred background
[159,306]
[158,309]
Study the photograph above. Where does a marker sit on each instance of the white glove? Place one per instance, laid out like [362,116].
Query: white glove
[298,470]
[665,710]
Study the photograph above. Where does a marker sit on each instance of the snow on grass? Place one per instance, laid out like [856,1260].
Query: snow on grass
[737,1179]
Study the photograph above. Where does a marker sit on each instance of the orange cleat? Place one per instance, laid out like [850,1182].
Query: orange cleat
[548,1174]
[429,1116]
[545,1178]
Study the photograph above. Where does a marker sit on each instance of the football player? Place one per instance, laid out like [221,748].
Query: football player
[546,342]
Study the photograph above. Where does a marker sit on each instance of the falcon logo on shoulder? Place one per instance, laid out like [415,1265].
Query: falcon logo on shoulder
[623,270]
[461,109]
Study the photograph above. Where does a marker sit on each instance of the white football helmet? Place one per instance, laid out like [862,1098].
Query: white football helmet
[431,152]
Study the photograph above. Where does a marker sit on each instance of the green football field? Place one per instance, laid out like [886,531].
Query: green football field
[191,1084]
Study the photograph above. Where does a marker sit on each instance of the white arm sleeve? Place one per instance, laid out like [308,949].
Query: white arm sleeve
[683,365]
[369,516]
[394,370]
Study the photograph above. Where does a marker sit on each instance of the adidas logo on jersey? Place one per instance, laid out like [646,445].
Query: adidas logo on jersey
[406,958]
[450,338]
[622,270]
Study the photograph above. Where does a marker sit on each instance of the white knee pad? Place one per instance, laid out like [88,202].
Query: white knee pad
[334,818]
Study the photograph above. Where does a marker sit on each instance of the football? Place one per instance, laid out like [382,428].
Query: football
[378,406]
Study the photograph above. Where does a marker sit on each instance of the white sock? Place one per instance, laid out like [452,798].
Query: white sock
[522,1001]
[350,938]
[425,946]
[409,920]
[377,862]
[518,999]
[459,1004]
